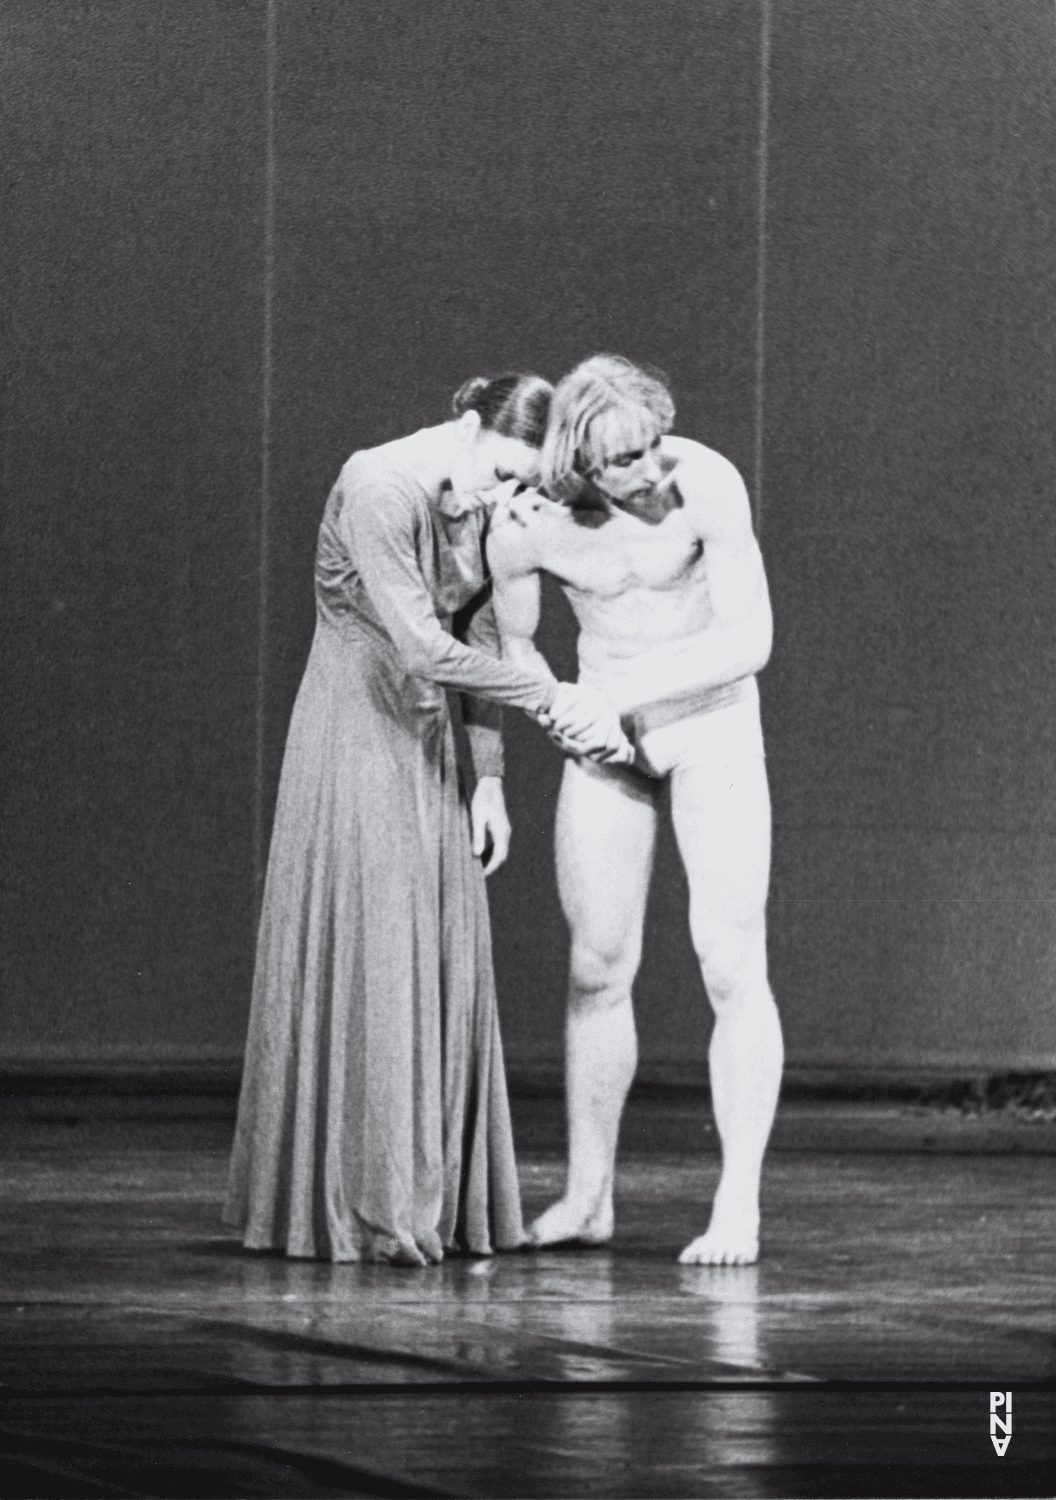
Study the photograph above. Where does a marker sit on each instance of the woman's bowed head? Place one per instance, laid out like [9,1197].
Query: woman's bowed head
[491,455]
[495,440]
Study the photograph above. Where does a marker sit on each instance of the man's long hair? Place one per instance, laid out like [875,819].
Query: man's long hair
[604,406]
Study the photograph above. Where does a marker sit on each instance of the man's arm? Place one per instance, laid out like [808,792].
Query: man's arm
[738,638]
[590,724]
[719,508]
[513,561]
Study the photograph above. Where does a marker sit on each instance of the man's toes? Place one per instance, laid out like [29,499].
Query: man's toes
[703,1253]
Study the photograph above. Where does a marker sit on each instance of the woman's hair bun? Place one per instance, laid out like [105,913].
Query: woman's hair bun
[467,397]
[511,405]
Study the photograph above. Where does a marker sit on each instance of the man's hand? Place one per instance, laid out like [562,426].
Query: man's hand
[491,826]
[584,722]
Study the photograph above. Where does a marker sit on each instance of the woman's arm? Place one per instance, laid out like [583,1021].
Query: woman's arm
[482,718]
[380,525]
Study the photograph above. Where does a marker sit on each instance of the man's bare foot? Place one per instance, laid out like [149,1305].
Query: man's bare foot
[573,1221]
[731,1240]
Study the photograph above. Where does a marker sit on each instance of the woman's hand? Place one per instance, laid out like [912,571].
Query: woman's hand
[527,507]
[584,722]
[491,826]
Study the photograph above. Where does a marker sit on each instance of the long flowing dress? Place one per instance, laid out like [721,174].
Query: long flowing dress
[373,1121]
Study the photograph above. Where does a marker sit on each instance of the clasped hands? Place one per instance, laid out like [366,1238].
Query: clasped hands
[582,722]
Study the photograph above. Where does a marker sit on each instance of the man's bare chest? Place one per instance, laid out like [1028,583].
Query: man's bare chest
[623,555]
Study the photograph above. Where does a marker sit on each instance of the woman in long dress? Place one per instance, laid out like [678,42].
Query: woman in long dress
[373,1122]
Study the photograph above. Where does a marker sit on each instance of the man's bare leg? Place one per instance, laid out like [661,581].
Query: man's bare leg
[721,815]
[606,829]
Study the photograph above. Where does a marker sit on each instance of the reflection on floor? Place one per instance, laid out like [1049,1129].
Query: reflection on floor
[144,1353]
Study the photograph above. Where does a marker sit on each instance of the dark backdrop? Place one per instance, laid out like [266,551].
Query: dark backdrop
[244,239]
[131,245]
[910,531]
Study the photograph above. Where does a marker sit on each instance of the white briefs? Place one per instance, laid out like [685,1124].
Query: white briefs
[700,726]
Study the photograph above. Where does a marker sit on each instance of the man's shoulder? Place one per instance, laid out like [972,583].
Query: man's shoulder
[711,487]
[698,466]
[517,546]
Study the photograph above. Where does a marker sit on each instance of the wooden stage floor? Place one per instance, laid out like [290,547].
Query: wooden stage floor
[144,1353]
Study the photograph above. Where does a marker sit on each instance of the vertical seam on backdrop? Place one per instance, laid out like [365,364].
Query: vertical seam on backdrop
[760,287]
[263,536]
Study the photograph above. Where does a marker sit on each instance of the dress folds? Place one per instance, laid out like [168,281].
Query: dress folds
[373,1121]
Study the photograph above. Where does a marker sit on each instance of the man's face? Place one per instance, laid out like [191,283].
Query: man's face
[624,459]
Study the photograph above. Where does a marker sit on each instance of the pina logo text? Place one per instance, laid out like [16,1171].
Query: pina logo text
[1001,1399]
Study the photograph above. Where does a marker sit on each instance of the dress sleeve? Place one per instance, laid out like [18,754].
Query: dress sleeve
[482,719]
[380,525]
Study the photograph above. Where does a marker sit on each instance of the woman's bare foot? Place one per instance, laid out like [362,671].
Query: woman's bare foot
[573,1221]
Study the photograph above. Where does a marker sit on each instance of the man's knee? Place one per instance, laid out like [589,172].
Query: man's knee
[601,973]
[733,964]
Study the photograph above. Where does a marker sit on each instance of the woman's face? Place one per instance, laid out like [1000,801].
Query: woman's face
[486,468]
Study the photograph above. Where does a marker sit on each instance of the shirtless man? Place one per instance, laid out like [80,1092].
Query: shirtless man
[654,548]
